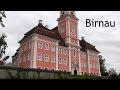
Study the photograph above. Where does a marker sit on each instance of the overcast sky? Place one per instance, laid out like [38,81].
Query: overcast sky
[106,39]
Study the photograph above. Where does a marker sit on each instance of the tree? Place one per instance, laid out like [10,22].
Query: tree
[112,71]
[102,65]
[2,14]
[3,45]
[113,74]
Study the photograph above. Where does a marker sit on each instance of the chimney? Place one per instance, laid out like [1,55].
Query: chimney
[40,21]
[46,26]
[82,38]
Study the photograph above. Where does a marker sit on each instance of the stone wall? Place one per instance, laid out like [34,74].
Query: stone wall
[7,72]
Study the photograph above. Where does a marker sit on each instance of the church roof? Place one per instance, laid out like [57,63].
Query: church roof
[85,45]
[42,30]
[53,33]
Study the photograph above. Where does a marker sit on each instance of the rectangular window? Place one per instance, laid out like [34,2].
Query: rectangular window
[81,55]
[39,57]
[53,48]
[82,64]
[29,57]
[85,65]
[84,55]
[60,61]
[60,50]
[65,51]
[40,45]
[90,65]
[46,58]
[46,46]
[65,61]
[52,59]
[96,66]
[90,56]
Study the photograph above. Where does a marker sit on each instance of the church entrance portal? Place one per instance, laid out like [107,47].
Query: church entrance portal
[75,72]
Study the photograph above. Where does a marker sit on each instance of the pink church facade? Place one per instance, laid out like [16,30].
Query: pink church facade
[58,49]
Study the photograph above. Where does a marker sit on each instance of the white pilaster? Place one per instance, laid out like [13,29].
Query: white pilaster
[69,48]
[88,59]
[67,33]
[32,53]
[79,62]
[68,29]
[99,66]
[35,51]
[56,55]
[18,60]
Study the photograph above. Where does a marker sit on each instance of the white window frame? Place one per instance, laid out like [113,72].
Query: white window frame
[53,59]
[65,51]
[82,64]
[85,64]
[84,55]
[97,66]
[39,58]
[60,50]
[65,61]
[40,44]
[46,57]
[53,48]
[60,60]
[29,57]
[91,65]
[94,65]
[46,47]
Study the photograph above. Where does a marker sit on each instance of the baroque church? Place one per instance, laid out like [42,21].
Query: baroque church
[58,49]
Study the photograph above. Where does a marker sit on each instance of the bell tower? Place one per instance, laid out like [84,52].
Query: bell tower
[68,27]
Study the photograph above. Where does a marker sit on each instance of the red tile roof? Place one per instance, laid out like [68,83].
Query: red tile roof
[85,45]
[40,29]
[53,33]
